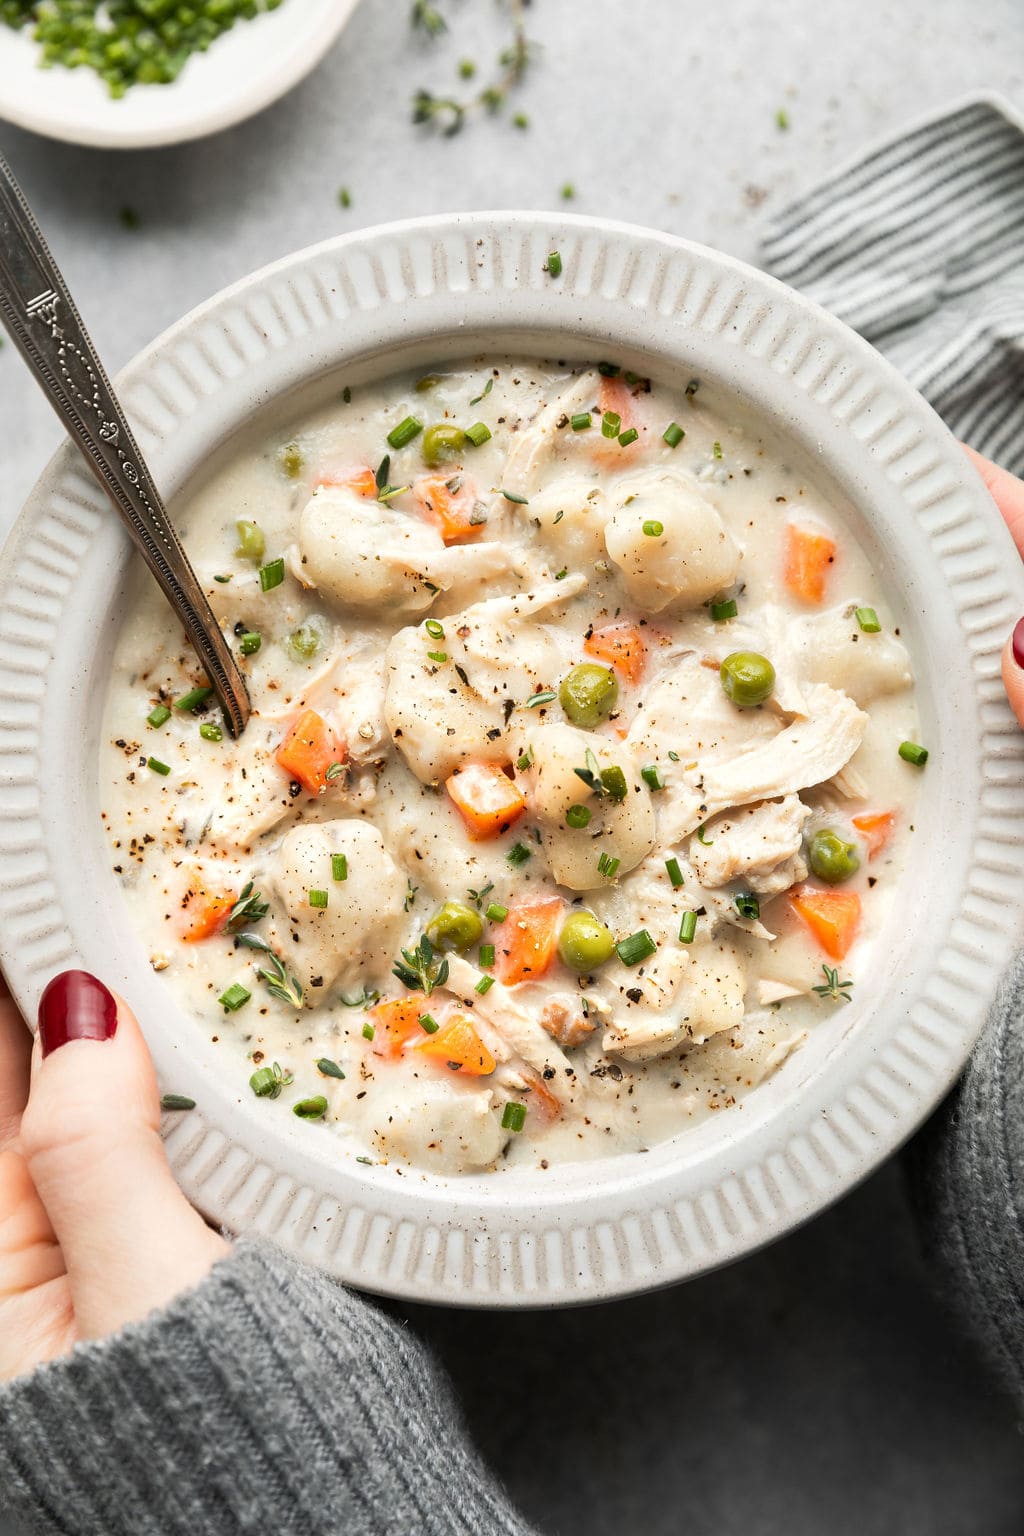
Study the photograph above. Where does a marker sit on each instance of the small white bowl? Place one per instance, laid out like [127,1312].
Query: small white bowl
[412,294]
[244,71]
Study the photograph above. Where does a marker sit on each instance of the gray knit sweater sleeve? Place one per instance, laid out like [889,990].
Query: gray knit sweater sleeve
[266,1400]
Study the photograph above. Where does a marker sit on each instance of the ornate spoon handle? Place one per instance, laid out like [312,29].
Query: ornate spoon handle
[44,324]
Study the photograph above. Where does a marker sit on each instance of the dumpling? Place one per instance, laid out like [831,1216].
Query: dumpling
[445,1126]
[353,936]
[692,557]
[366,555]
[622,829]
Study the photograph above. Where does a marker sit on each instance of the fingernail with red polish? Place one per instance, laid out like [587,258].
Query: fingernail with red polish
[1018,643]
[75,1006]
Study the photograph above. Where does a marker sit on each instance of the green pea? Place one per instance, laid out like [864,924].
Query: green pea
[251,543]
[305,641]
[584,942]
[588,694]
[442,442]
[455,926]
[747,678]
[832,859]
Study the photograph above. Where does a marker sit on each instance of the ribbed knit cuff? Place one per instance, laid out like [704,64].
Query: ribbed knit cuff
[966,1175]
[267,1400]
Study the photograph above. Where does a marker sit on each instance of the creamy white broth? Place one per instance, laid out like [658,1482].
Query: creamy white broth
[624,1055]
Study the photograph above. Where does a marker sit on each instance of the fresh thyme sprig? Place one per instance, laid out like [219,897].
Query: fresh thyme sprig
[249,908]
[832,987]
[419,969]
[448,113]
[278,981]
[479,897]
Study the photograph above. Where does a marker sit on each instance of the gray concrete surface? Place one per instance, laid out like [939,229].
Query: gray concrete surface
[815,1387]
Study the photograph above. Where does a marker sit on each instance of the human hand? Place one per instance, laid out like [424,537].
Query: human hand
[1008,494]
[94,1232]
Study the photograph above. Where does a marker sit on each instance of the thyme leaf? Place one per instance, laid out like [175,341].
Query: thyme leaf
[419,969]
[838,991]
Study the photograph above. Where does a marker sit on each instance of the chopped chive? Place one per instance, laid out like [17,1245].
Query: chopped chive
[513,1116]
[518,855]
[517,501]
[266,1083]
[909,751]
[544,697]
[496,913]
[211,731]
[234,998]
[627,437]
[368,1031]
[568,191]
[673,757]
[562,574]
[157,766]
[748,906]
[577,816]
[440,657]
[525,759]
[344,197]
[328,1068]
[607,866]
[520,120]
[486,956]
[177,1101]
[687,928]
[726,609]
[673,434]
[434,629]
[223,580]
[311,1109]
[478,434]
[867,618]
[193,698]
[555,261]
[782,119]
[158,716]
[675,874]
[271,575]
[653,529]
[484,985]
[611,421]
[581,421]
[250,643]
[339,866]
[639,946]
[609,370]
[404,433]
[716,449]
[651,776]
[429,1024]
[318,898]
[707,841]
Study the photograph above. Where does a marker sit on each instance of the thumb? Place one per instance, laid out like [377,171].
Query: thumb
[90,1137]
[1013,670]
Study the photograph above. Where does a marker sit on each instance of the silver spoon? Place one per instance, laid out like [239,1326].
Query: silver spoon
[44,324]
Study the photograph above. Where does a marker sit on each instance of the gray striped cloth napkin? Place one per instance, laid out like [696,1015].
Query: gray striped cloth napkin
[918,244]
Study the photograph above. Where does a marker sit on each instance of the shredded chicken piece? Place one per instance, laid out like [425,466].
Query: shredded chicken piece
[565,1021]
[759,844]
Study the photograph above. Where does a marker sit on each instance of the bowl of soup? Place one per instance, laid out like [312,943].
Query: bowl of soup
[620,856]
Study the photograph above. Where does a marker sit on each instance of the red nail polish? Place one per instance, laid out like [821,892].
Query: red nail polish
[75,1006]
[1018,643]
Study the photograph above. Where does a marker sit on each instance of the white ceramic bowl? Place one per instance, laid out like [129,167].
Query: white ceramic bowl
[244,71]
[412,294]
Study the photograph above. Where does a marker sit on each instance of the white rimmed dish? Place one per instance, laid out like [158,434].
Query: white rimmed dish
[245,70]
[412,293]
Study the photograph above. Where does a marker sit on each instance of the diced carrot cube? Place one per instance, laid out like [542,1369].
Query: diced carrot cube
[621,646]
[205,913]
[525,943]
[809,553]
[451,503]
[309,751]
[876,830]
[458,1045]
[362,480]
[396,1021]
[833,917]
[486,798]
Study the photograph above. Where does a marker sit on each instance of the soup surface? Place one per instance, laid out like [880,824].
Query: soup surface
[580,771]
